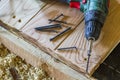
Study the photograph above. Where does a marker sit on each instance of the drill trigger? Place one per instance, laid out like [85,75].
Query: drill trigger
[75,4]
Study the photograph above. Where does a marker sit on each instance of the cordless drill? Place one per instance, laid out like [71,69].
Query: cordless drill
[95,12]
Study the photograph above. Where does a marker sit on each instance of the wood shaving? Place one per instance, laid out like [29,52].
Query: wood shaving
[26,71]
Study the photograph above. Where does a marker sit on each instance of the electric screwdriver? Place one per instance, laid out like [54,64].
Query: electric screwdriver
[95,12]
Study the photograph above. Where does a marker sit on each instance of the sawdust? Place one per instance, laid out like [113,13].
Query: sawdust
[26,71]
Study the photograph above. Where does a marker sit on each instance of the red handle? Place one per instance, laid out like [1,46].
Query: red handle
[75,4]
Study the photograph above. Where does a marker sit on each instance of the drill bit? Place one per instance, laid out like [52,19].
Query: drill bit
[67,48]
[61,33]
[90,42]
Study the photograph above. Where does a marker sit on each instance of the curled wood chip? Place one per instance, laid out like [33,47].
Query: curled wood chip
[26,71]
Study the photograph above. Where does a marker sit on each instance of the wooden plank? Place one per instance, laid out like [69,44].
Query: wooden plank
[38,58]
[3,3]
[110,33]
[72,16]
[76,39]
[101,49]
[78,56]
[17,13]
[40,46]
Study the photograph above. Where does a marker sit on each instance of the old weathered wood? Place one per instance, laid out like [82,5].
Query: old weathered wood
[101,49]
[38,58]
[72,16]
[76,59]
[17,13]
[76,56]
[40,46]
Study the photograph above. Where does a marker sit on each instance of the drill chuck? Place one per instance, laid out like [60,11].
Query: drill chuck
[94,21]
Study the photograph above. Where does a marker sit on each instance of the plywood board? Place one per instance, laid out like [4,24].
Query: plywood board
[17,13]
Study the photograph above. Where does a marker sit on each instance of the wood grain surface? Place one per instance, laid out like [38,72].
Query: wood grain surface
[17,13]
[109,38]
[37,58]
[72,16]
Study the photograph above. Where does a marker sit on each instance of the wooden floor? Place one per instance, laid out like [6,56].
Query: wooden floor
[22,16]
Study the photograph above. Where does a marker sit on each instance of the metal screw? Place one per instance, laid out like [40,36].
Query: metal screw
[88,60]
[56,18]
[61,33]
[58,21]
[66,48]
[56,60]
[48,27]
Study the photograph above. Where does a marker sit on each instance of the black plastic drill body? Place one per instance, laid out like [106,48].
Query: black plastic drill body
[95,12]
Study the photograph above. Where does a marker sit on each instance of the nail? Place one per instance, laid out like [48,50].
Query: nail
[58,21]
[56,18]
[48,27]
[61,33]
[66,48]
[56,60]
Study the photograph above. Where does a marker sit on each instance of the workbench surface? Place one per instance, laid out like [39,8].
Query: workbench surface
[22,16]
